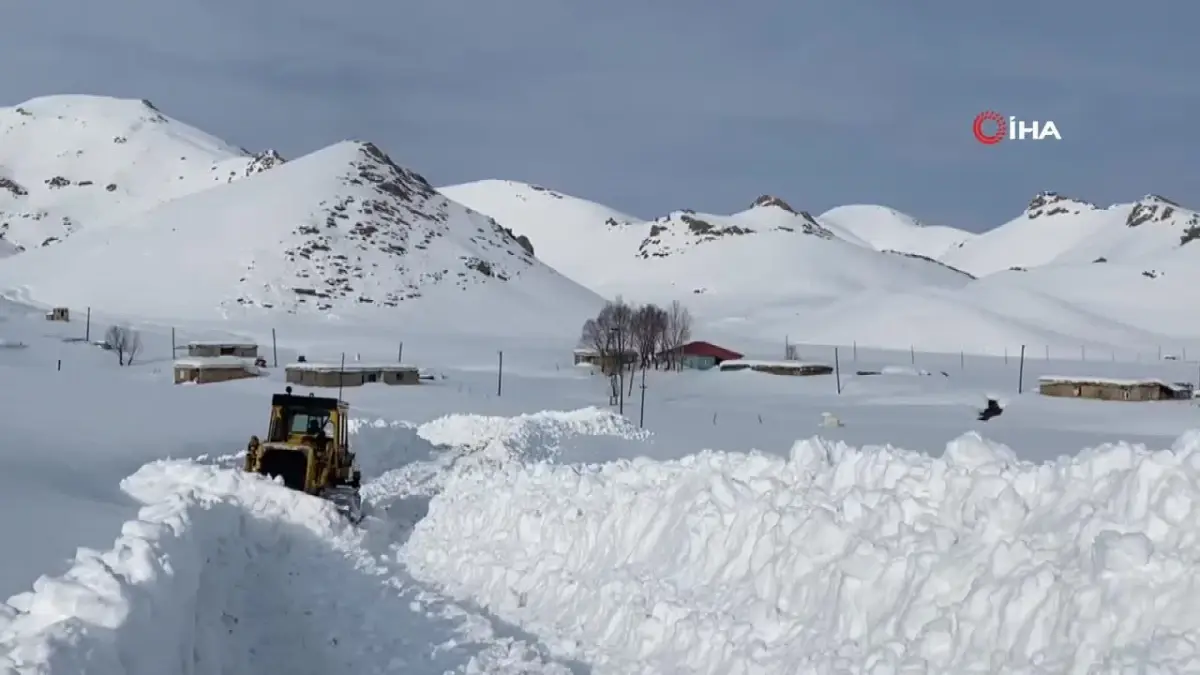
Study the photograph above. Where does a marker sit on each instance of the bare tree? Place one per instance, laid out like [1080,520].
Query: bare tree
[133,345]
[125,341]
[649,322]
[678,330]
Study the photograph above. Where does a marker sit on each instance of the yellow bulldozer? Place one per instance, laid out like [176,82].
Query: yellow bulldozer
[308,446]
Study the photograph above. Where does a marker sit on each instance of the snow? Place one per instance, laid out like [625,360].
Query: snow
[887,229]
[350,367]
[405,249]
[540,531]
[73,162]
[1120,382]
[215,362]
[520,522]
[833,559]
[763,363]
[1062,230]
[198,581]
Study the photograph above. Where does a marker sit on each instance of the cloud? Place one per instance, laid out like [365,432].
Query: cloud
[654,106]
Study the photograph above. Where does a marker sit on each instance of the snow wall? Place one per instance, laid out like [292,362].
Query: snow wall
[831,560]
[154,602]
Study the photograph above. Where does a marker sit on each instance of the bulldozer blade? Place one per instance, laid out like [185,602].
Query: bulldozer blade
[347,500]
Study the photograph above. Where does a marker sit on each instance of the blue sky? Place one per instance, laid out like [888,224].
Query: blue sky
[654,106]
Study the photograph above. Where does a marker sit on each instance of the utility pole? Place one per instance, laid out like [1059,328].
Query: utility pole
[621,376]
[500,375]
[642,414]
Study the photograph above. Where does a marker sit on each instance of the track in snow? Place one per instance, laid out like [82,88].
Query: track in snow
[305,604]
[224,573]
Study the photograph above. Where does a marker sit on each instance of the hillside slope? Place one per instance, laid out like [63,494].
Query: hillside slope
[887,229]
[768,256]
[580,238]
[1055,229]
[723,265]
[68,162]
[340,232]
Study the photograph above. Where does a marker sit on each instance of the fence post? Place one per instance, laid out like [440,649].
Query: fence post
[912,354]
[500,374]
[87,327]
[1021,372]
[837,370]
[60,364]
[275,351]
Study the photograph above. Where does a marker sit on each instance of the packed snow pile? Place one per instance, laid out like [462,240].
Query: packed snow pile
[152,600]
[74,161]
[836,559]
[527,438]
[344,230]
[228,573]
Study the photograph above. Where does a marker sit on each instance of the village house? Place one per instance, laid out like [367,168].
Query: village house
[778,367]
[59,314]
[1108,389]
[351,375]
[699,355]
[246,350]
[210,369]
[589,356]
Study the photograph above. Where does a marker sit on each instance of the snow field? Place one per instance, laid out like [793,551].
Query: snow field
[227,573]
[831,560]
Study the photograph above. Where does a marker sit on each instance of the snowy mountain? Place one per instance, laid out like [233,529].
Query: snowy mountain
[768,253]
[1055,229]
[341,231]
[69,162]
[887,229]
[573,235]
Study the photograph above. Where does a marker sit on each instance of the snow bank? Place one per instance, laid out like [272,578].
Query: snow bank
[534,437]
[136,609]
[835,559]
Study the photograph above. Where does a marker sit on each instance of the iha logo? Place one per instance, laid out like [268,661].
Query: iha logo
[991,127]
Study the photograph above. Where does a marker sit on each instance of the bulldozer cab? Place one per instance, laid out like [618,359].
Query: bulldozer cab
[309,421]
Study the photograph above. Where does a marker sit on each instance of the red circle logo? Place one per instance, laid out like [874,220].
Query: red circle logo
[994,137]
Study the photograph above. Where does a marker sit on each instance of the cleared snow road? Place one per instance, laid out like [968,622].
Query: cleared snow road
[228,574]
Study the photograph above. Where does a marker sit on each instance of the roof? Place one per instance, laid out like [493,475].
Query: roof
[1114,381]
[310,402]
[355,367]
[586,350]
[702,348]
[214,362]
[751,363]
[221,343]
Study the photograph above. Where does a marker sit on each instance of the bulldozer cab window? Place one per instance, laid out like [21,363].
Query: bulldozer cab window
[309,424]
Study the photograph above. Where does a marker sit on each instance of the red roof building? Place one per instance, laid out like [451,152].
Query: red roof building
[704,355]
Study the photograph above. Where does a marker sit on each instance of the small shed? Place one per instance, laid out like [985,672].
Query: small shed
[1109,389]
[778,367]
[591,357]
[245,350]
[206,370]
[58,314]
[586,356]
[700,355]
[351,375]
